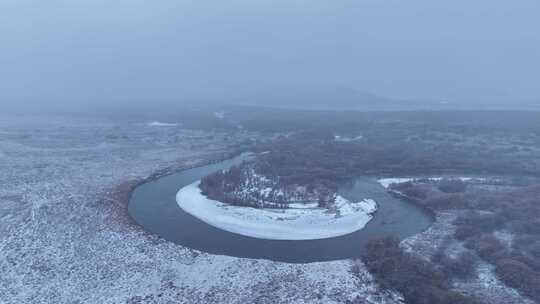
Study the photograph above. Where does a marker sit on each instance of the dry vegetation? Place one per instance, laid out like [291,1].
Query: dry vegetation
[484,214]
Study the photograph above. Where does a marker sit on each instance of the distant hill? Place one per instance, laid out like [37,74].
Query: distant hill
[313,98]
[345,98]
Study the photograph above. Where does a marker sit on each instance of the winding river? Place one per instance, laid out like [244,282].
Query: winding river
[153,206]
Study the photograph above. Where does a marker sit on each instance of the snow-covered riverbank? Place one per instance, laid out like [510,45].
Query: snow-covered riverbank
[277,224]
[386,182]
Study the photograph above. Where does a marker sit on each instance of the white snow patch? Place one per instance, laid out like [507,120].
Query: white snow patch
[347,139]
[303,205]
[506,237]
[277,224]
[345,208]
[386,182]
[219,114]
[161,124]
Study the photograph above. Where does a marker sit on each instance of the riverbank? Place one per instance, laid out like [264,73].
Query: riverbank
[117,199]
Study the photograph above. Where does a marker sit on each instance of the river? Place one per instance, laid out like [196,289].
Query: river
[153,206]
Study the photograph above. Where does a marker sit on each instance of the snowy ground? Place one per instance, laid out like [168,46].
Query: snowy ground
[278,224]
[64,238]
[485,285]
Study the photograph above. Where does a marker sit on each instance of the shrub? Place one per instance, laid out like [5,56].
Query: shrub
[452,186]
[446,201]
[464,232]
[488,248]
[518,275]
[419,281]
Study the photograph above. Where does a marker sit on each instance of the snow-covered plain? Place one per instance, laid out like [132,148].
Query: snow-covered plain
[64,238]
[277,224]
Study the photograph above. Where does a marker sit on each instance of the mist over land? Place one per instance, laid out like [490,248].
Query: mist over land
[370,54]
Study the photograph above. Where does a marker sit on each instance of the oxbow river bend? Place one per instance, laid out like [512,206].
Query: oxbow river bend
[153,205]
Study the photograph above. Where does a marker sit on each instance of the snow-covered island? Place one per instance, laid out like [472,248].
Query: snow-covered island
[254,199]
[296,222]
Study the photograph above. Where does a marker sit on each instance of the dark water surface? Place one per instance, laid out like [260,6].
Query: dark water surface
[153,205]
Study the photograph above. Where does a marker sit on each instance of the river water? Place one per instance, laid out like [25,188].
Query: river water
[153,205]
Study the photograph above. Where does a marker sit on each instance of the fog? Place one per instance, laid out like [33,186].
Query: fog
[81,54]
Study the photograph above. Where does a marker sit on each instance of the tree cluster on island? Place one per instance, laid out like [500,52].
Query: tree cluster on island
[250,184]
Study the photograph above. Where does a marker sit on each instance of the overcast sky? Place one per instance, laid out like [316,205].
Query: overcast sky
[95,50]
